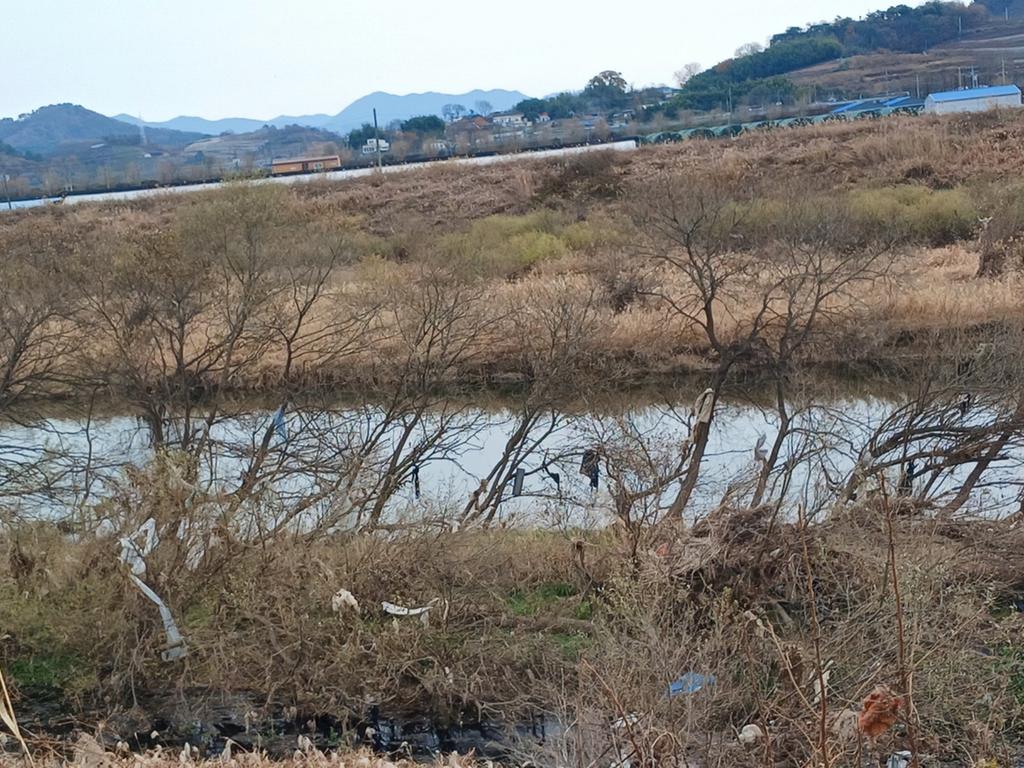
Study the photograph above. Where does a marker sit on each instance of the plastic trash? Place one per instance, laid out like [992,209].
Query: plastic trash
[344,600]
[826,673]
[879,712]
[750,735]
[133,555]
[133,552]
[703,406]
[689,683]
[631,719]
[517,482]
[590,466]
[280,426]
[416,480]
[760,454]
[899,760]
[400,610]
[176,648]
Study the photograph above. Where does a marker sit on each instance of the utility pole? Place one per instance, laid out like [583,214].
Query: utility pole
[7,191]
[959,78]
[918,79]
[376,140]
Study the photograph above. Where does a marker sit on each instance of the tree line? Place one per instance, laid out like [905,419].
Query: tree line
[757,71]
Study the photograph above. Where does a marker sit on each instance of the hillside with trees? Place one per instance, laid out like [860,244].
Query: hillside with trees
[758,75]
[605,93]
[901,28]
[48,128]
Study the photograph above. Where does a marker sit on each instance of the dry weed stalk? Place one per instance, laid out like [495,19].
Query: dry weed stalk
[9,718]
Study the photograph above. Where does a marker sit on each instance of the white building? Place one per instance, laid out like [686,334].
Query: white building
[972,99]
[509,119]
[371,146]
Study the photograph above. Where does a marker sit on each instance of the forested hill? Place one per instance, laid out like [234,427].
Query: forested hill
[901,29]
[50,128]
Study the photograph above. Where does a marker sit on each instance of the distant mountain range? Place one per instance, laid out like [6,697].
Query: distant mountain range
[50,128]
[389,107]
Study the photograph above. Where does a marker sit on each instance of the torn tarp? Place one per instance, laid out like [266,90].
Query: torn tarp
[422,613]
[691,682]
[176,648]
[133,554]
[133,551]
[279,425]
[590,466]
[517,481]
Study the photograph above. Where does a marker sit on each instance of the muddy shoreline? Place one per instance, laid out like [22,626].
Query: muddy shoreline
[209,721]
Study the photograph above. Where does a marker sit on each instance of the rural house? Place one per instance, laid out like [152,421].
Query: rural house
[510,120]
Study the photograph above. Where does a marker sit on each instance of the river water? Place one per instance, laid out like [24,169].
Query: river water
[355,173]
[62,462]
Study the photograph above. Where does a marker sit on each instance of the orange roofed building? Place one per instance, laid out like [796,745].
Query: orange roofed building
[305,164]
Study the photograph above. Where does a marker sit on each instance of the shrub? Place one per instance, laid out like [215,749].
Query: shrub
[587,175]
[592,234]
[914,213]
[1002,242]
[504,246]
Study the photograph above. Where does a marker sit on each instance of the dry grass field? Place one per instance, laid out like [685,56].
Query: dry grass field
[887,616]
[515,239]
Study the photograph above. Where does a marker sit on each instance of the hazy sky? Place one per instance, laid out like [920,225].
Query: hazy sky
[262,58]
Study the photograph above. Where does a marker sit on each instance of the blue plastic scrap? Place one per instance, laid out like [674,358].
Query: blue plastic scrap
[279,424]
[689,683]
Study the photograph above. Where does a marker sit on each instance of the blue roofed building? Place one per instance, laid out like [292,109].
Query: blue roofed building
[973,99]
[878,105]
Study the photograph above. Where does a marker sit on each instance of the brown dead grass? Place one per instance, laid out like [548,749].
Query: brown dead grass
[88,753]
[728,597]
[396,222]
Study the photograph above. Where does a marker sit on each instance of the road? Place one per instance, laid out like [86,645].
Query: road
[616,146]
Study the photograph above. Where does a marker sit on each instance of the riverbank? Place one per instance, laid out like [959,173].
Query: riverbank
[617,575]
[526,626]
[519,270]
[87,753]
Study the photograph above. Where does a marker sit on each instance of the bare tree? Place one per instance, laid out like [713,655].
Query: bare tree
[684,75]
[558,326]
[748,49]
[453,112]
[36,309]
[38,340]
[752,305]
[181,315]
[959,431]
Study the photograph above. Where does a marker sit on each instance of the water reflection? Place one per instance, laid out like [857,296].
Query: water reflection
[435,464]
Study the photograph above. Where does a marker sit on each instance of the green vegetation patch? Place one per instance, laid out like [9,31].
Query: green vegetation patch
[936,217]
[504,246]
[570,646]
[41,675]
[537,600]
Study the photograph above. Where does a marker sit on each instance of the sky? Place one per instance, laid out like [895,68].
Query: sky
[263,58]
